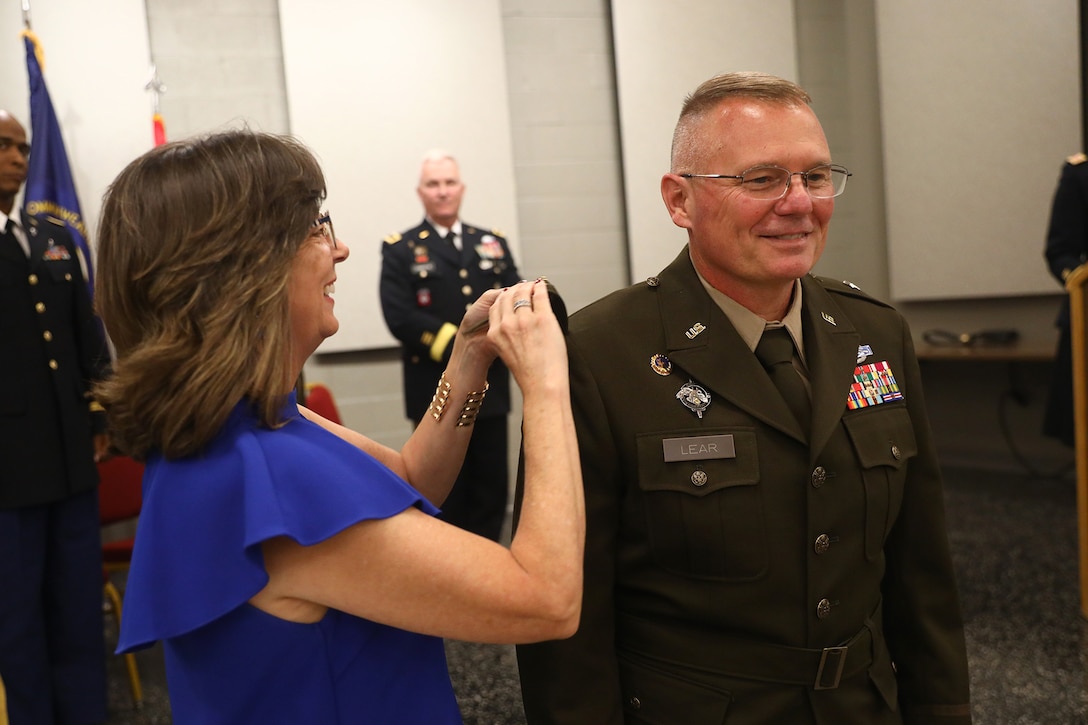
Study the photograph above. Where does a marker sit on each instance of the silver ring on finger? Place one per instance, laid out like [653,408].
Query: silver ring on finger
[518,304]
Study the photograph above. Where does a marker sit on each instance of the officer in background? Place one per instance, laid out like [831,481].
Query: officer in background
[52,649]
[431,274]
[765,532]
[1066,249]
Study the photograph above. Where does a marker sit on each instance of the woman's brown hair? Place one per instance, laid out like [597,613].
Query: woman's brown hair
[195,244]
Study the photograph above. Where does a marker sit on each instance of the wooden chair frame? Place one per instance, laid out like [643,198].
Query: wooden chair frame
[1076,283]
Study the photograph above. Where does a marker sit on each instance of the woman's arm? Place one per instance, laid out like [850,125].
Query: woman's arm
[431,458]
[418,573]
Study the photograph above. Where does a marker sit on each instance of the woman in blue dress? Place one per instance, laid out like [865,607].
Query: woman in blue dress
[294,569]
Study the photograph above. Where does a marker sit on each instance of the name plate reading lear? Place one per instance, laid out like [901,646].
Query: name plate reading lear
[699,448]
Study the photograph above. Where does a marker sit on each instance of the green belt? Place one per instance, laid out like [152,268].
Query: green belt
[820,669]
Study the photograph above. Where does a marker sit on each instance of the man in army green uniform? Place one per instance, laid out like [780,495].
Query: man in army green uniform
[431,274]
[757,551]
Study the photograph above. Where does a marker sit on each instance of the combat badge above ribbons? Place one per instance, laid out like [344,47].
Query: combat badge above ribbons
[873,384]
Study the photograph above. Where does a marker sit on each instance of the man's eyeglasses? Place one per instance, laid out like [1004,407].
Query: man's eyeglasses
[323,225]
[772,182]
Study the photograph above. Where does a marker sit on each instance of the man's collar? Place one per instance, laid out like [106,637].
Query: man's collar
[443,230]
[749,325]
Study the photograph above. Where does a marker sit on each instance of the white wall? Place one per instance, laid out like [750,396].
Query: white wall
[663,52]
[371,87]
[981,104]
[96,66]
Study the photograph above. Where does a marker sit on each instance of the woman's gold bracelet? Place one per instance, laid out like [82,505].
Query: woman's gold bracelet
[441,397]
[472,407]
[468,412]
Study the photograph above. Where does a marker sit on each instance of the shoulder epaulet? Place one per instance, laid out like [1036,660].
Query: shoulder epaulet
[31,220]
[1077,159]
[498,233]
[845,287]
[393,238]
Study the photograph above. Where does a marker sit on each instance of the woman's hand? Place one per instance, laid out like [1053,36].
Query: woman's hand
[525,333]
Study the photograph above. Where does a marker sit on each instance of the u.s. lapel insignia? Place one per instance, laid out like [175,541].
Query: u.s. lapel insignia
[828,318]
[695,330]
[660,364]
[864,351]
[694,397]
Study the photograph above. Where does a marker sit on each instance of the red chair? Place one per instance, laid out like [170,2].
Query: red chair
[120,497]
[319,400]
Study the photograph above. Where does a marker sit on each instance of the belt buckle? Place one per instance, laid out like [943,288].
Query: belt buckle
[837,655]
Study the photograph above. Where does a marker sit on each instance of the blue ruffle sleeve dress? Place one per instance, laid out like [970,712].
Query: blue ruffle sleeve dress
[198,561]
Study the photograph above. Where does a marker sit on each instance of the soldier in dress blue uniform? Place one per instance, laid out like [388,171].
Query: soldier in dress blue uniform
[757,550]
[431,274]
[1066,249]
[52,650]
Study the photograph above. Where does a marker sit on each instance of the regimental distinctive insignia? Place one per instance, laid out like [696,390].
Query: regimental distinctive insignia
[661,364]
[828,318]
[694,397]
[424,234]
[873,384]
[695,330]
[864,351]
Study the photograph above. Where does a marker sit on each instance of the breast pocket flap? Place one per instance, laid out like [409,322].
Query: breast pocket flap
[882,437]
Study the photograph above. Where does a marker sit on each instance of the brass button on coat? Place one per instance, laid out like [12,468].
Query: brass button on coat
[32,279]
[823,609]
[40,307]
[819,475]
[896,453]
[53,365]
[823,543]
[47,336]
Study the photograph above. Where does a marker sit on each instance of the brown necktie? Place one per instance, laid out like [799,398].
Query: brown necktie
[775,351]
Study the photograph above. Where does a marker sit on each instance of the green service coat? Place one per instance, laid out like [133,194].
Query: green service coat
[712,585]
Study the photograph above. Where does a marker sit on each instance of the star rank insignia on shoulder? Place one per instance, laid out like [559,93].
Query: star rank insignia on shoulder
[1077,159]
[393,238]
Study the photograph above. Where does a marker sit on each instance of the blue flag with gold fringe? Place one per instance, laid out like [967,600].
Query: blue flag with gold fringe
[50,189]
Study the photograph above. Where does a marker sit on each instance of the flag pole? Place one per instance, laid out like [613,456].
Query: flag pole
[26,14]
[157,88]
